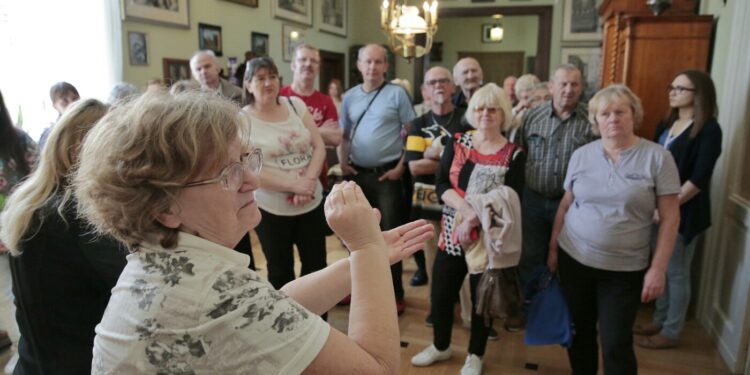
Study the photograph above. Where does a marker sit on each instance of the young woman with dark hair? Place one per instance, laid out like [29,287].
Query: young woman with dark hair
[693,136]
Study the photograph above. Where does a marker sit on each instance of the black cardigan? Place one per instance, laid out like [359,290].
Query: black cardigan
[696,159]
[62,282]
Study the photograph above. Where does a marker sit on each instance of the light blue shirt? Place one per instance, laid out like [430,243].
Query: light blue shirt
[377,138]
[608,224]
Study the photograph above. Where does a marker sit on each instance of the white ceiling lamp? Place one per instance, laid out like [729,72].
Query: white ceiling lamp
[402,23]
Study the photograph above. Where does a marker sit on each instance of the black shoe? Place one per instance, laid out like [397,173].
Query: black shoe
[492,335]
[419,278]
[428,321]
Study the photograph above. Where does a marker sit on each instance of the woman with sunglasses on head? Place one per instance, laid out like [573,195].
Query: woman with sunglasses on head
[473,163]
[291,196]
[693,136]
[180,192]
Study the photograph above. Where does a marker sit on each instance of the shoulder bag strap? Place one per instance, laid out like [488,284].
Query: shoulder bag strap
[356,124]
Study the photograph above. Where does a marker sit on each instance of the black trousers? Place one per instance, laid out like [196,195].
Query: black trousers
[448,274]
[278,235]
[246,247]
[610,298]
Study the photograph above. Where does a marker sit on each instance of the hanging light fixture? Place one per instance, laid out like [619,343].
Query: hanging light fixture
[402,23]
[497,32]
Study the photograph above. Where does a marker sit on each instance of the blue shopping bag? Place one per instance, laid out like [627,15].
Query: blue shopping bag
[548,321]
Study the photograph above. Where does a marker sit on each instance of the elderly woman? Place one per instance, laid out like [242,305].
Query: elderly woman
[174,178]
[472,163]
[600,238]
[524,90]
[291,197]
[693,136]
[62,275]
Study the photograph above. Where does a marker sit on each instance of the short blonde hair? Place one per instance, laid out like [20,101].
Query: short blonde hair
[491,95]
[134,163]
[52,175]
[611,94]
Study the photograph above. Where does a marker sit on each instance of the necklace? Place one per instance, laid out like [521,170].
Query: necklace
[434,119]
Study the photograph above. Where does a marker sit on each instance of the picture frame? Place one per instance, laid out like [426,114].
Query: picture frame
[486,33]
[589,62]
[249,3]
[138,48]
[259,43]
[175,70]
[436,52]
[581,21]
[209,38]
[333,16]
[176,15]
[292,37]
[299,11]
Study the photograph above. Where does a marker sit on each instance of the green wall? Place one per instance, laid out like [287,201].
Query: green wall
[464,34]
[239,21]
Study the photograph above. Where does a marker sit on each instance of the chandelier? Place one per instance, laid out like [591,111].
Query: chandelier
[402,23]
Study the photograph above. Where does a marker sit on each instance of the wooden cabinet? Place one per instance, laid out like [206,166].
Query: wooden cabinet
[644,51]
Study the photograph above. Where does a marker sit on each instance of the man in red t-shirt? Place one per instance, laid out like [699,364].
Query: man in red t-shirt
[306,67]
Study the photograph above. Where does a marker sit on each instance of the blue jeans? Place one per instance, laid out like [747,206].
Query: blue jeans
[388,197]
[537,218]
[672,306]
[610,297]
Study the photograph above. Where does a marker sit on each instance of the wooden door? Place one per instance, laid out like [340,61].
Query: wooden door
[332,65]
[497,65]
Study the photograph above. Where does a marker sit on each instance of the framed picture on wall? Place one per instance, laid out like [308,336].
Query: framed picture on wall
[589,62]
[299,11]
[175,70]
[168,13]
[292,37]
[209,37]
[259,43]
[333,16]
[138,48]
[250,3]
[581,20]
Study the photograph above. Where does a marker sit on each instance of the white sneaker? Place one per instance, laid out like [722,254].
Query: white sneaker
[430,355]
[11,365]
[472,366]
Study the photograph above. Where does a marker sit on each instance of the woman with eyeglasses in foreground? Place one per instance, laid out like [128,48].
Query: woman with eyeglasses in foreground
[600,238]
[174,178]
[474,162]
[62,275]
[693,136]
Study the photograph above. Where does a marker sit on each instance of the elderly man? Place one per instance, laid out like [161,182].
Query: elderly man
[305,68]
[424,145]
[205,68]
[551,132]
[467,74]
[372,116]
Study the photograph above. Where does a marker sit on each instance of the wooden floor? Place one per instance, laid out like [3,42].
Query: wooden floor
[509,355]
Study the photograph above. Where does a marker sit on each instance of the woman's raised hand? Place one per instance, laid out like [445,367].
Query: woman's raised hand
[407,239]
[351,217]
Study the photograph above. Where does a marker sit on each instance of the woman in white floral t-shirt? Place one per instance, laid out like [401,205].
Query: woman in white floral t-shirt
[174,178]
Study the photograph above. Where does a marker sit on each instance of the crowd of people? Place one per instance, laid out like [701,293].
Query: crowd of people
[125,230]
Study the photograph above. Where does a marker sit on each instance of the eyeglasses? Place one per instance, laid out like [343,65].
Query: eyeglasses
[232,176]
[490,110]
[679,89]
[435,82]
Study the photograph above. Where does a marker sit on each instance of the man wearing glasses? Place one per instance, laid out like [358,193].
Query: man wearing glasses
[306,68]
[424,144]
